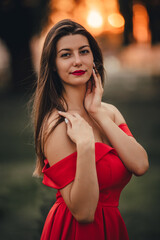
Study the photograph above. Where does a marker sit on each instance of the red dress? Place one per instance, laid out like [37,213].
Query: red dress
[112,177]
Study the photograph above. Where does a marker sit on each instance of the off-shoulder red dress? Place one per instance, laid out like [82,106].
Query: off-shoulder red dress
[112,177]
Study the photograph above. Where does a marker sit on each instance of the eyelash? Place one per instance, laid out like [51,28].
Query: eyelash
[65,55]
[85,51]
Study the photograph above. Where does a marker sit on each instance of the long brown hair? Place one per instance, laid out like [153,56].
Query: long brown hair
[49,88]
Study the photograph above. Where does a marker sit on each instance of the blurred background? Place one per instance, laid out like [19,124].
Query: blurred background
[128,32]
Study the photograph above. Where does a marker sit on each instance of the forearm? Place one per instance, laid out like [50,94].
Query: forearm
[84,193]
[129,150]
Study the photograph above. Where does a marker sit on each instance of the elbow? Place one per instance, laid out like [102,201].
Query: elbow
[141,170]
[84,218]
[85,214]
[142,167]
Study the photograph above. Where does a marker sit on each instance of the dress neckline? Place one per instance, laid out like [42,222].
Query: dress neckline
[109,148]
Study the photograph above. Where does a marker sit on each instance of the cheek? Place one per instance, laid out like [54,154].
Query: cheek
[61,68]
[90,70]
[90,62]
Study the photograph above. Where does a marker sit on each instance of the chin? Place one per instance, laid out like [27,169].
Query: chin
[80,80]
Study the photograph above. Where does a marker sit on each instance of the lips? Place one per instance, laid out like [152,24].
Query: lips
[78,72]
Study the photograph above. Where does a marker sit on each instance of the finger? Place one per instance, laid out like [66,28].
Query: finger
[67,115]
[66,120]
[97,79]
[95,69]
[68,123]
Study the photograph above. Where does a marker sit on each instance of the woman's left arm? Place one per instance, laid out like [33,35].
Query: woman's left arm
[132,154]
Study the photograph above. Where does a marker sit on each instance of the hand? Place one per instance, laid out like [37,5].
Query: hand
[77,128]
[93,96]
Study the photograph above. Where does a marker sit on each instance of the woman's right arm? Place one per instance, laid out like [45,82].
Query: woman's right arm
[81,196]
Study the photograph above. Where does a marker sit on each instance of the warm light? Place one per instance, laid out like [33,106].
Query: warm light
[94,19]
[116,20]
[140,23]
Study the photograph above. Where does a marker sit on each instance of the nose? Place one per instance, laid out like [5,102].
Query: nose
[77,60]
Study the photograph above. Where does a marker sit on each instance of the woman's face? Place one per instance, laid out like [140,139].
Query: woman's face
[74,59]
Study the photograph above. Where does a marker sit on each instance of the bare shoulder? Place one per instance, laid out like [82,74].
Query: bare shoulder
[58,144]
[115,113]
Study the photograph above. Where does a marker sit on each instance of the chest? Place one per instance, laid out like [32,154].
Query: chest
[111,172]
[98,132]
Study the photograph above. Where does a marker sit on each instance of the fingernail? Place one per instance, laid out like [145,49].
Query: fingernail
[66,120]
[59,111]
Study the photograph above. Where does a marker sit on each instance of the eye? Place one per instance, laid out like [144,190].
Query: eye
[85,51]
[65,55]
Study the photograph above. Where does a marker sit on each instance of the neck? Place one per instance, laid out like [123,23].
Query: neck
[74,96]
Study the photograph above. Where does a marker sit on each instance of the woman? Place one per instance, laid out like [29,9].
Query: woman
[84,147]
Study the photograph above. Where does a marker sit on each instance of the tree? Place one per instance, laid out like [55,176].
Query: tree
[153,8]
[126,11]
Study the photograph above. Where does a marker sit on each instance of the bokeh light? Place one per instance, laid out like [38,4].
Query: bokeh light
[95,19]
[117,21]
[141,31]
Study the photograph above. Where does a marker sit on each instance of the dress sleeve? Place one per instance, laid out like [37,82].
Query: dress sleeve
[125,129]
[61,173]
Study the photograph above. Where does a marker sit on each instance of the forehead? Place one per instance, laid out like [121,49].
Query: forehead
[72,41]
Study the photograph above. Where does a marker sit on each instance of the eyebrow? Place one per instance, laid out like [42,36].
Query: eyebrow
[68,49]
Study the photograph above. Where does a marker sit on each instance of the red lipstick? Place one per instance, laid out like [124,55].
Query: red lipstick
[78,72]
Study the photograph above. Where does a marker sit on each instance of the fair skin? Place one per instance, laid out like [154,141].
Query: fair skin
[89,121]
